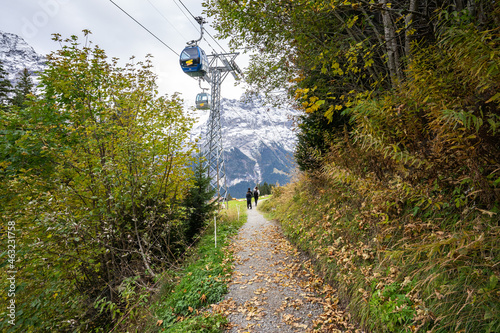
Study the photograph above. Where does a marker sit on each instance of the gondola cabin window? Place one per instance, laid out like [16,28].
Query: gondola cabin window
[203,101]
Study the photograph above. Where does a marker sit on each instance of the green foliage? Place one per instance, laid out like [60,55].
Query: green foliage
[5,87]
[12,121]
[198,201]
[313,139]
[265,188]
[206,323]
[203,280]
[392,307]
[203,283]
[94,173]
[23,89]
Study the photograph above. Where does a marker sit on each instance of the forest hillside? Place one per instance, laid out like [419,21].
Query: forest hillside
[398,195]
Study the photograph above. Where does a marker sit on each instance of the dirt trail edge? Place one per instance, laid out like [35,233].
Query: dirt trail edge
[274,288]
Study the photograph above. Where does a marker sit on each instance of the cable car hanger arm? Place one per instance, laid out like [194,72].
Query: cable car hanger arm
[200,21]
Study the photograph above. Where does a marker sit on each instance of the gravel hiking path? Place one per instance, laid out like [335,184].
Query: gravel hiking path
[274,288]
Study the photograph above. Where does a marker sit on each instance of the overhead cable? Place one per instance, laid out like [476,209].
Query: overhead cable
[182,11]
[215,41]
[166,19]
[186,8]
[180,1]
[144,27]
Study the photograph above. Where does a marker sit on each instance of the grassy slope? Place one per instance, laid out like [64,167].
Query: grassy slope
[403,261]
[185,297]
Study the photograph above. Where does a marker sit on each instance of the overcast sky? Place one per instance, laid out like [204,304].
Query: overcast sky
[36,20]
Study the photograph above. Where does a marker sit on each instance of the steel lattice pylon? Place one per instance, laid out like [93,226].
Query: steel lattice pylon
[213,150]
[220,66]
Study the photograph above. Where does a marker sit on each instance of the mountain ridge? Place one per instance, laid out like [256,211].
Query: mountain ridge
[16,55]
[258,142]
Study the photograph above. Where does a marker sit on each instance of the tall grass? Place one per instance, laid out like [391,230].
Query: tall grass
[399,269]
[404,215]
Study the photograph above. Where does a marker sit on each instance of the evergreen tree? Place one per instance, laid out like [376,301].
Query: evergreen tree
[265,189]
[198,201]
[5,86]
[23,88]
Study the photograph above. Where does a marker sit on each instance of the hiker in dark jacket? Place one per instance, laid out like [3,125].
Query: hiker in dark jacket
[256,195]
[249,199]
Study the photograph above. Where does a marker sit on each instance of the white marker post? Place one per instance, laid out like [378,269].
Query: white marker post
[215,224]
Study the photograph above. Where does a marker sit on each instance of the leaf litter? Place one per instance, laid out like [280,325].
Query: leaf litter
[274,288]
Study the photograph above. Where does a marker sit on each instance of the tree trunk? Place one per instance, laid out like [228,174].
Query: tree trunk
[391,46]
[471,6]
[141,250]
[408,30]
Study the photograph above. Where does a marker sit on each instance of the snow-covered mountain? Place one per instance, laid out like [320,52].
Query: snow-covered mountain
[16,55]
[258,143]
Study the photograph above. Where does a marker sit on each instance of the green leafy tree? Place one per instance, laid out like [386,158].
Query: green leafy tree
[11,128]
[265,188]
[98,177]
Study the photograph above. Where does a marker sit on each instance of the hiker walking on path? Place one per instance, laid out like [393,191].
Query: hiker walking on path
[256,195]
[249,199]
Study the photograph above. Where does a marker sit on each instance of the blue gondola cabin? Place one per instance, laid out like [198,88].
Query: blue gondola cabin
[194,61]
